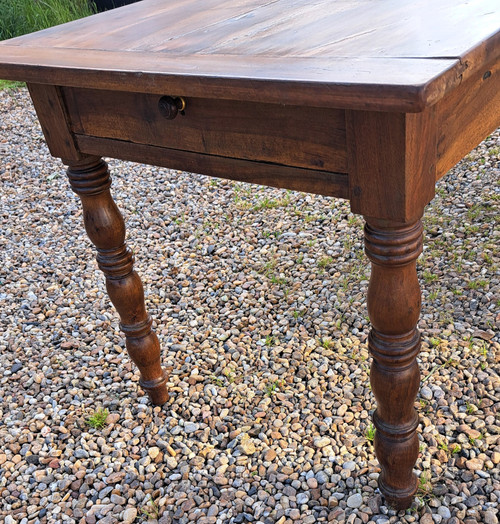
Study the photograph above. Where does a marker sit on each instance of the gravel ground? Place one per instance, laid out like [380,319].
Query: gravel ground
[259,296]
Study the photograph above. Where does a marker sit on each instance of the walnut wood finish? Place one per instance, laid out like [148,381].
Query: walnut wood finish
[467,115]
[251,131]
[268,174]
[391,163]
[394,342]
[390,55]
[105,227]
[370,101]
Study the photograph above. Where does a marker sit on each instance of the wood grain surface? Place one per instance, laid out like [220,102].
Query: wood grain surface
[246,130]
[357,54]
[467,115]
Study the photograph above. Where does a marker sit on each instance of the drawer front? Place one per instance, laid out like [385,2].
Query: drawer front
[304,137]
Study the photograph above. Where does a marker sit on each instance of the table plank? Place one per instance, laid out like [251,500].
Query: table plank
[263,173]
[284,28]
[345,43]
[400,85]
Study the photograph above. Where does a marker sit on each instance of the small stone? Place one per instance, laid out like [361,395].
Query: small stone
[16,367]
[426,393]
[220,480]
[322,477]
[321,442]
[350,465]
[302,498]
[269,455]
[355,501]
[441,456]
[117,499]
[438,393]
[474,464]
[31,459]
[312,483]
[342,410]
[444,512]
[39,474]
[472,501]
[171,462]
[439,490]
[153,452]
[490,516]
[495,457]
[247,445]
[54,464]
[81,453]
[129,515]
[115,477]
[191,427]
[374,503]
[426,518]
[112,418]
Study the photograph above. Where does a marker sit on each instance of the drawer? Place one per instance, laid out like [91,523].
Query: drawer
[301,137]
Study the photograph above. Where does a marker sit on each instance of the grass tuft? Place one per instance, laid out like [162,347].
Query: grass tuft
[26,16]
[98,419]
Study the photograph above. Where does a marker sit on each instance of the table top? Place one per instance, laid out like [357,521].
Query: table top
[386,54]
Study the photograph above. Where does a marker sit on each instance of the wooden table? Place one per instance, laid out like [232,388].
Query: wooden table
[367,101]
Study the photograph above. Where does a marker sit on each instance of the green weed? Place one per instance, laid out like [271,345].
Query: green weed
[150,510]
[271,388]
[25,16]
[98,419]
[370,433]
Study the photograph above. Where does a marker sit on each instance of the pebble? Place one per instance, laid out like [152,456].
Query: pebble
[302,498]
[426,393]
[153,452]
[444,512]
[129,515]
[191,427]
[247,445]
[474,464]
[321,442]
[270,455]
[349,465]
[258,297]
[490,516]
[355,501]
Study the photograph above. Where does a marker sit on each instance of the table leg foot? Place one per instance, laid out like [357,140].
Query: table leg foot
[394,342]
[106,229]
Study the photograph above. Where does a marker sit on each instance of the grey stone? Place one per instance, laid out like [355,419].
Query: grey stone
[322,477]
[81,453]
[355,501]
[302,498]
[191,427]
[350,465]
[444,512]
[426,393]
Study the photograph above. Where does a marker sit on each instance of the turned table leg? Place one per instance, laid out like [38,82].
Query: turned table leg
[106,229]
[394,342]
